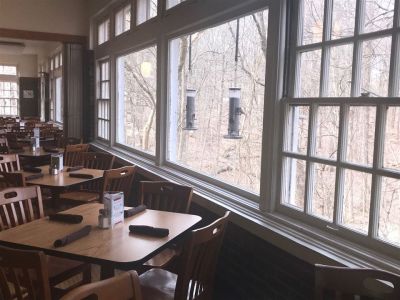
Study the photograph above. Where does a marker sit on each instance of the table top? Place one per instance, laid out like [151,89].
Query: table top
[62,179]
[115,246]
[38,153]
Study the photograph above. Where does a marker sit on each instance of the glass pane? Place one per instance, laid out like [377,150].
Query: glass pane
[227,142]
[103,32]
[313,21]
[136,99]
[172,3]
[378,15]
[105,90]
[343,18]
[310,69]
[294,181]
[323,196]
[361,135]
[392,139]
[340,66]
[146,9]
[119,22]
[356,200]
[327,131]
[8,70]
[389,221]
[298,129]
[375,67]
[127,18]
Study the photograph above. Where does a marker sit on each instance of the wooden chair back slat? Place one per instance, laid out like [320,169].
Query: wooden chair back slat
[165,195]
[343,283]
[23,275]
[118,180]
[17,206]
[127,285]
[198,263]
[73,154]
[9,163]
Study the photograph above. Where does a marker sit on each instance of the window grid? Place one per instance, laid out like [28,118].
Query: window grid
[8,98]
[103,100]
[377,170]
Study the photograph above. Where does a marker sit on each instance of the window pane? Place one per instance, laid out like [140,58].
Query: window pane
[58,90]
[375,67]
[8,70]
[127,17]
[323,195]
[392,139]
[103,32]
[327,131]
[340,65]
[389,221]
[313,21]
[224,146]
[146,9]
[378,15]
[343,18]
[136,99]
[356,200]
[172,3]
[298,129]
[361,135]
[119,22]
[295,178]
[310,69]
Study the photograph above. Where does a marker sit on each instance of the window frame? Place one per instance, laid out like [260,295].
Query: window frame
[11,79]
[99,97]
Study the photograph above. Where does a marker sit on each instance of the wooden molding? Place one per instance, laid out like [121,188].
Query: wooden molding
[42,36]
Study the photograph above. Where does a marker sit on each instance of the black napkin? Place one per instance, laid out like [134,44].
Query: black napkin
[81,175]
[32,169]
[71,169]
[134,210]
[66,218]
[69,238]
[51,150]
[148,230]
[34,176]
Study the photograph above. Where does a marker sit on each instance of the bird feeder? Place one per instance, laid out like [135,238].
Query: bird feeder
[234,114]
[190,110]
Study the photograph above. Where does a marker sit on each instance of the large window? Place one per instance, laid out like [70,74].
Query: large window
[217,83]
[123,20]
[103,100]
[136,99]
[342,141]
[8,90]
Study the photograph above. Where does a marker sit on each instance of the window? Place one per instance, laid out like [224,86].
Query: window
[8,70]
[217,83]
[103,32]
[123,20]
[136,100]
[342,139]
[61,59]
[58,100]
[8,97]
[146,9]
[103,100]
[172,3]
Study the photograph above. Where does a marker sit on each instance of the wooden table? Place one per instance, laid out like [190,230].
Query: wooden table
[60,182]
[27,152]
[110,248]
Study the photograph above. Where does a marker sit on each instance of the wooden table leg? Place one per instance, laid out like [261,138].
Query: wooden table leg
[106,271]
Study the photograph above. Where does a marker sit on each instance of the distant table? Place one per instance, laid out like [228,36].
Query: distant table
[110,248]
[58,183]
[27,152]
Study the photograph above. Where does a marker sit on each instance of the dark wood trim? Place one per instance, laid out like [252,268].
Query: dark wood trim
[42,36]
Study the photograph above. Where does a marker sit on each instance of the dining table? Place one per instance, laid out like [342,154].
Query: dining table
[115,248]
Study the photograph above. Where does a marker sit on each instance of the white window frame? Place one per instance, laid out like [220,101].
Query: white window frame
[11,79]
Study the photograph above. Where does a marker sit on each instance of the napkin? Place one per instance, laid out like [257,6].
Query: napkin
[148,230]
[34,176]
[32,169]
[67,218]
[73,236]
[133,211]
[71,169]
[81,175]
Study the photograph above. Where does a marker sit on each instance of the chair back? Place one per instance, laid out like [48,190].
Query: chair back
[347,283]
[9,163]
[63,142]
[199,259]
[118,180]
[73,154]
[95,160]
[20,206]
[23,275]
[126,285]
[165,195]
[11,180]
[4,145]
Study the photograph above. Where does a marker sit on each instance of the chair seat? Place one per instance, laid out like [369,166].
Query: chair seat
[158,284]
[163,258]
[61,269]
[81,196]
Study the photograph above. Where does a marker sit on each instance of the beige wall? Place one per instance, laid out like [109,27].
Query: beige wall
[27,64]
[56,16]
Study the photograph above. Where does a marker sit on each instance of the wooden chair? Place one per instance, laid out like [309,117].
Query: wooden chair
[124,287]
[118,180]
[347,283]
[62,142]
[9,163]
[4,149]
[197,269]
[23,205]
[90,191]
[11,180]
[166,196]
[73,154]
[23,275]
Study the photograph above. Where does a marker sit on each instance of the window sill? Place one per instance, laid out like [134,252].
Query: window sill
[303,241]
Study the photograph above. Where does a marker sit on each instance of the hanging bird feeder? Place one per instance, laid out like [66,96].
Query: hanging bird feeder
[190,110]
[234,114]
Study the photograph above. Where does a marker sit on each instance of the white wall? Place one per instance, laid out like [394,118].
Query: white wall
[56,16]
[26,64]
